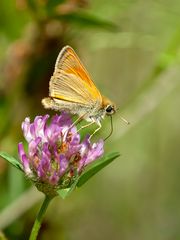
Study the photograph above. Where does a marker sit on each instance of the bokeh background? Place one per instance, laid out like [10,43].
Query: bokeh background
[132,50]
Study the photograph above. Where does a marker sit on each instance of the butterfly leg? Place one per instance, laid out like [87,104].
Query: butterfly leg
[97,129]
[87,125]
[78,120]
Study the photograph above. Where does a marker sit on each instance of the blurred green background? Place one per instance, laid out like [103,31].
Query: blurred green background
[132,50]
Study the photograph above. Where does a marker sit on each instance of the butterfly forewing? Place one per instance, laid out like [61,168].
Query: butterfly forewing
[71,82]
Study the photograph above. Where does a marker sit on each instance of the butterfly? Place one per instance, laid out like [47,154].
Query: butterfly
[72,89]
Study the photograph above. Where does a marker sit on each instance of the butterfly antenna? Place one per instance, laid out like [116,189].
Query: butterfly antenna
[123,119]
[111,130]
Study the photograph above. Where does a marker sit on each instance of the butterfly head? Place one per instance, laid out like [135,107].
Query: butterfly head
[110,109]
[108,106]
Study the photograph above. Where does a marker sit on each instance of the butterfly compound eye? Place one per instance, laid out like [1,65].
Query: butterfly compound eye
[110,110]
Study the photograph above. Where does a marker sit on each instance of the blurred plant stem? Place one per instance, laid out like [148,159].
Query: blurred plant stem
[167,58]
[157,87]
[39,218]
[147,101]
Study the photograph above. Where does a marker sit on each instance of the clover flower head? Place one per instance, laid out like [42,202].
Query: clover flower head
[56,155]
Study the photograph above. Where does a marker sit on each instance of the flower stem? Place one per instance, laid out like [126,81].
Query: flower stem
[38,221]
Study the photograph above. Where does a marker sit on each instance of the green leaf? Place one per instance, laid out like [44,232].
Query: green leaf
[12,160]
[95,167]
[67,191]
[87,20]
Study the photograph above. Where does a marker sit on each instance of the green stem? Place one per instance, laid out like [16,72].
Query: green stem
[38,221]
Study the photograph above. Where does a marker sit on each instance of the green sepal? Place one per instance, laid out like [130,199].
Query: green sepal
[65,192]
[12,160]
[95,167]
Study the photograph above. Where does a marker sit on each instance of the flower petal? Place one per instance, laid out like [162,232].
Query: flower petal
[26,129]
[40,126]
[33,147]
[24,159]
[63,162]
[96,151]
